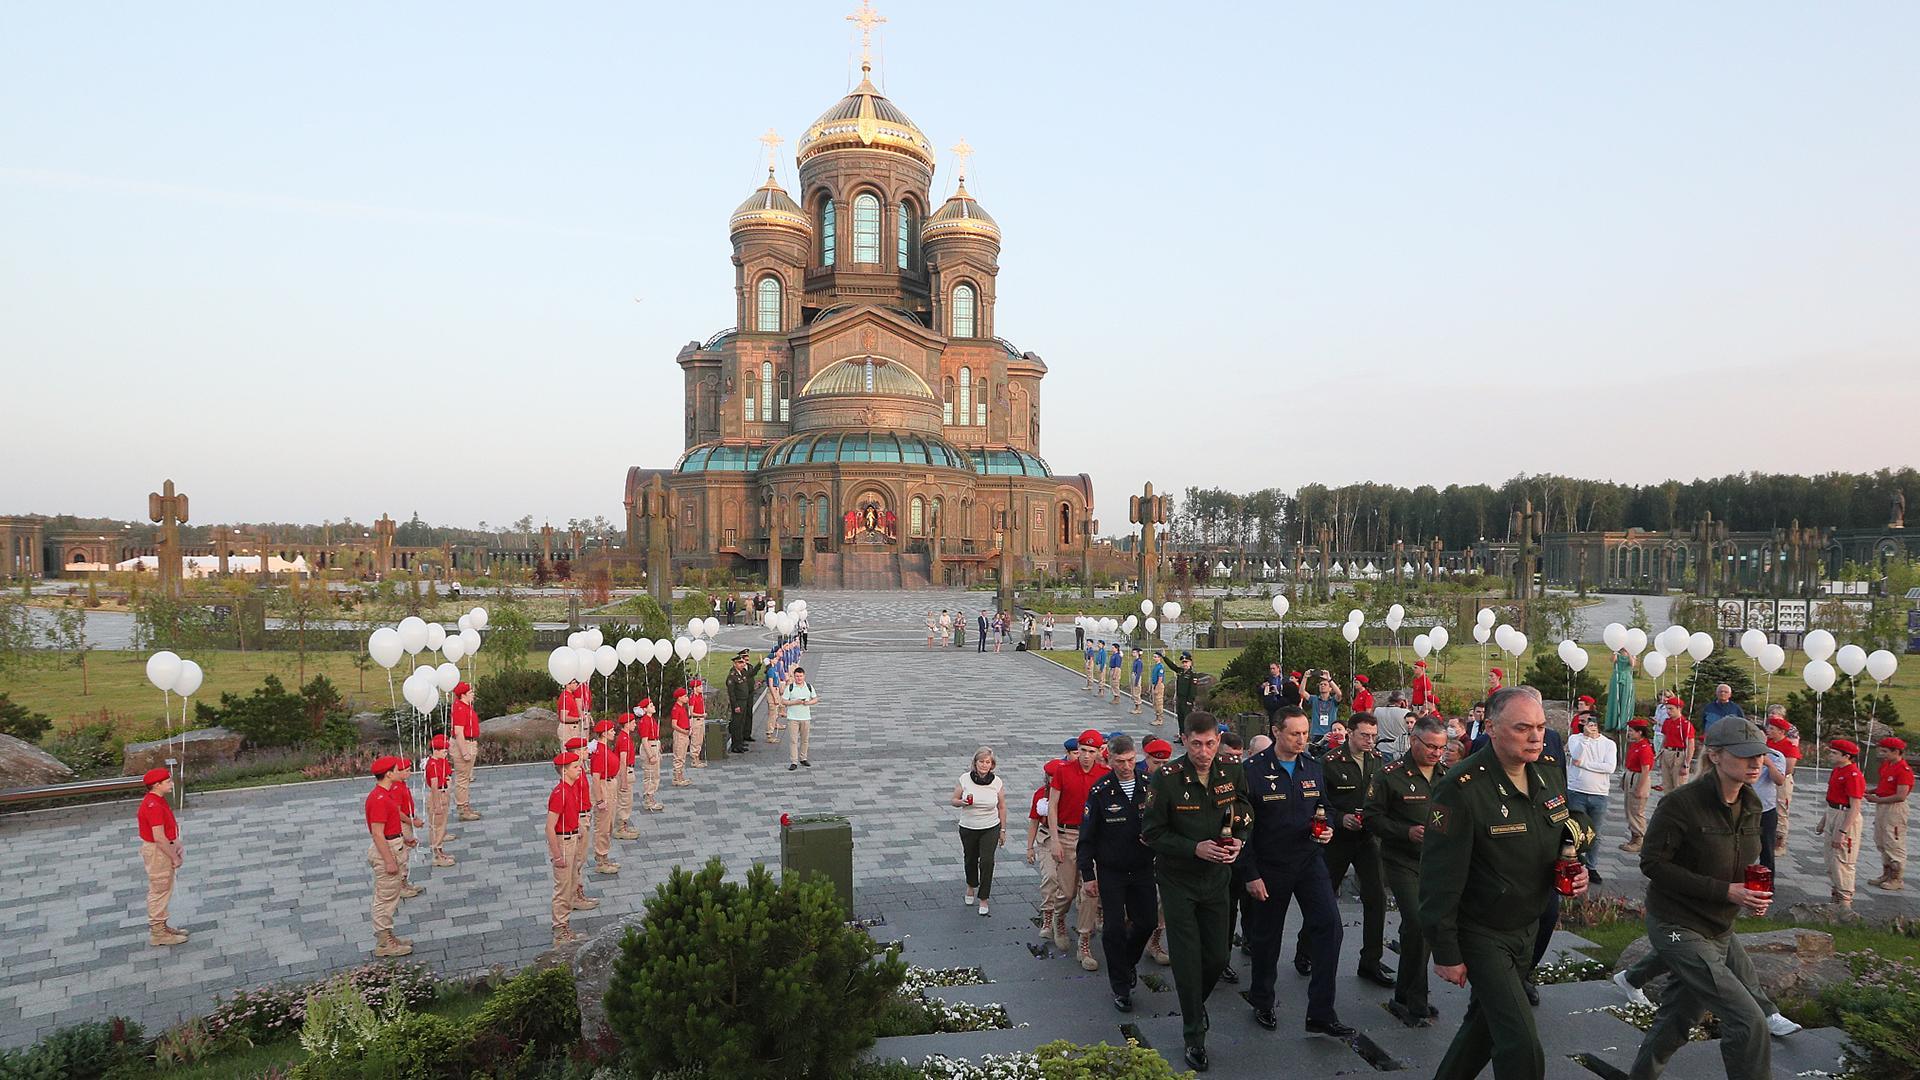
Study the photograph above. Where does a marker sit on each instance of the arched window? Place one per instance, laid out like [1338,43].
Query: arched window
[966,397]
[933,523]
[980,403]
[866,229]
[916,517]
[752,412]
[961,318]
[946,403]
[766,390]
[800,510]
[824,511]
[767,320]
[906,235]
[826,233]
[786,393]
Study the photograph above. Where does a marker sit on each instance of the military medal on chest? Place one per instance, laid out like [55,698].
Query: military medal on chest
[1503,810]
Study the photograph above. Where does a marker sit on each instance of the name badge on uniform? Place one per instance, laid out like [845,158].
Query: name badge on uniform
[1184,806]
[1507,830]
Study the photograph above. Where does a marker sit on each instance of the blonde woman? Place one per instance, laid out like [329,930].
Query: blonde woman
[981,798]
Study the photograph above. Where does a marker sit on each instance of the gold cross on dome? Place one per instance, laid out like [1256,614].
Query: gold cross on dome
[771,140]
[963,153]
[866,19]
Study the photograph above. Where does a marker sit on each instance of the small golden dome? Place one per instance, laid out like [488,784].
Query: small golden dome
[770,205]
[866,120]
[960,216]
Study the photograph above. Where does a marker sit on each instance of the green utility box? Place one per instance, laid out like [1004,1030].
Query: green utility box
[1249,724]
[714,741]
[819,844]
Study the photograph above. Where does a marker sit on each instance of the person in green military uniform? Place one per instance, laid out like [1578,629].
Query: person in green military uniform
[1398,804]
[1183,687]
[740,703]
[1496,827]
[1196,818]
[1351,769]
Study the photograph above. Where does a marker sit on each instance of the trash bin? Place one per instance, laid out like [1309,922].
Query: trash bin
[819,844]
[1249,724]
[713,743]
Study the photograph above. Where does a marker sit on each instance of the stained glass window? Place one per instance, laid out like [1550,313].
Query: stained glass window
[768,319]
[866,229]
[962,318]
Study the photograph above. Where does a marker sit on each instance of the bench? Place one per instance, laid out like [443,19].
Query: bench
[107,786]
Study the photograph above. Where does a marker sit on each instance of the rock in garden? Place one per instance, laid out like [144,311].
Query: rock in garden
[1796,962]
[593,967]
[373,726]
[199,750]
[23,764]
[524,726]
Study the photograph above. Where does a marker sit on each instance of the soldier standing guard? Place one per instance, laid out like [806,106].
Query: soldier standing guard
[439,800]
[603,766]
[740,704]
[1195,820]
[624,751]
[1846,789]
[1350,771]
[563,824]
[466,750]
[387,855]
[1889,801]
[160,853]
[1397,807]
[1183,687]
[1498,824]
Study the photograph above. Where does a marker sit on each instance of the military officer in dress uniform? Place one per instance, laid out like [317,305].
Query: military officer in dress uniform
[1117,867]
[1283,863]
[1183,687]
[1195,820]
[1397,805]
[1497,825]
[1350,771]
[740,703]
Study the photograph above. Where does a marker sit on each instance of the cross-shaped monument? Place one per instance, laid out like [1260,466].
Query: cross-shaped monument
[169,508]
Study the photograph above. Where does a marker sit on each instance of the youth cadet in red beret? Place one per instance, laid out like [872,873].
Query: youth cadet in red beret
[1422,685]
[624,752]
[583,840]
[697,713]
[387,855]
[647,726]
[1889,799]
[1639,785]
[682,736]
[465,749]
[402,792]
[439,799]
[1846,789]
[602,764]
[160,851]
[1067,789]
[563,825]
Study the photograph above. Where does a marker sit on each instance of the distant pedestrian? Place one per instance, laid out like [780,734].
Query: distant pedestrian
[1046,630]
[1784,737]
[1323,708]
[946,625]
[1889,799]
[981,798]
[161,854]
[933,627]
[1677,742]
[802,627]
[1720,707]
[800,700]
[984,629]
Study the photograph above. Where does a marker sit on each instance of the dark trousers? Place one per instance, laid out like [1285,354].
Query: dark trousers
[1543,934]
[1498,1026]
[1129,912]
[983,640]
[976,851]
[1197,945]
[739,726]
[1360,852]
[1709,975]
[1267,923]
[1410,980]
[1769,835]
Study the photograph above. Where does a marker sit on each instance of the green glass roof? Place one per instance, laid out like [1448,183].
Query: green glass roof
[721,457]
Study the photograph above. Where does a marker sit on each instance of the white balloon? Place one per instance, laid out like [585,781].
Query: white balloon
[1486,617]
[163,668]
[1500,634]
[1357,616]
[446,677]
[662,651]
[1480,633]
[1439,637]
[1700,646]
[1636,640]
[696,628]
[454,647]
[713,624]
[1614,637]
[384,646]
[1772,658]
[560,665]
[595,638]
[1170,611]
[479,617]
[1751,643]
[413,634]
[1153,625]
[426,693]
[1146,607]
[1280,605]
[1851,659]
[471,638]
[1517,643]
[1818,644]
[624,649]
[682,646]
[464,621]
[643,651]
[1351,631]
[583,662]
[605,659]
[1395,616]
[1818,675]
[188,681]
[1131,622]
[698,650]
[1655,665]
[574,639]
[1578,661]
[1422,645]
[1882,665]
[436,636]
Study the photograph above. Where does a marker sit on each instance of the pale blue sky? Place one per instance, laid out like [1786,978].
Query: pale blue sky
[317,261]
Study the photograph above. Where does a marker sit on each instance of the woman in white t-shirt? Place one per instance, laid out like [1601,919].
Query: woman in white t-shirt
[1591,758]
[982,799]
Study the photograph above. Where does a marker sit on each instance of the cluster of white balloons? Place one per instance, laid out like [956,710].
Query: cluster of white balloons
[587,653]
[1483,625]
[1511,641]
[1572,655]
[783,623]
[1355,620]
[413,636]
[170,674]
[1819,673]
[1101,624]
[1430,642]
[1769,656]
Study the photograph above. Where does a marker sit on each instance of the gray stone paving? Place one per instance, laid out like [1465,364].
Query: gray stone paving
[276,887]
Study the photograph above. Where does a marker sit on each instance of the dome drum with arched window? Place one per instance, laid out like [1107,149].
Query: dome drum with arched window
[867,392]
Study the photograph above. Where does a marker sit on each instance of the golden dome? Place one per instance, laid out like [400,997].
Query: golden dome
[866,120]
[960,216]
[868,375]
[770,206]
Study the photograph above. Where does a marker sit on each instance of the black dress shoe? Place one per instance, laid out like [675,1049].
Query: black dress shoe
[1197,1058]
[1303,965]
[1264,1017]
[1405,1015]
[1433,1013]
[1123,1002]
[1533,994]
[791,767]
[1228,975]
[1593,875]
[1329,1027]
[1377,975]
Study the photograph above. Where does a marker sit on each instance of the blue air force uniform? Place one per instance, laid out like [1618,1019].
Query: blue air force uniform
[1282,852]
[1113,855]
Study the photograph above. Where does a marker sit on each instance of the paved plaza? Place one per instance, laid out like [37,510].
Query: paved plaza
[276,885]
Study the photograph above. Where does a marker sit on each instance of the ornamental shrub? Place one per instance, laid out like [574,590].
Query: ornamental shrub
[1062,1060]
[1548,674]
[21,722]
[535,1011]
[761,979]
[86,1051]
[512,689]
[417,1046]
[1880,1012]
[1305,649]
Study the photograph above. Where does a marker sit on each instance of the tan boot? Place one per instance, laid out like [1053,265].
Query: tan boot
[443,860]
[1046,925]
[1631,845]
[388,945]
[585,903]
[626,832]
[163,936]
[469,815]
[1087,962]
[654,807]
[410,890]
[1157,949]
[172,929]
[562,937]
[1062,940]
[606,868]
[1892,882]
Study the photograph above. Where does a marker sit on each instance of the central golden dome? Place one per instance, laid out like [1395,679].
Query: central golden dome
[866,120]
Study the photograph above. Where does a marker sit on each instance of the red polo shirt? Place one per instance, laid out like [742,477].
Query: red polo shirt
[466,722]
[649,728]
[573,704]
[680,717]
[1894,775]
[1072,784]
[383,810]
[1675,733]
[697,701]
[1363,701]
[1422,690]
[1788,748]
[564,802]
[623,748]
[155,820]
[1846,782]
[439,773]
[582,794]
[604,761]
[1034,810]
[402,795]
[1640,756]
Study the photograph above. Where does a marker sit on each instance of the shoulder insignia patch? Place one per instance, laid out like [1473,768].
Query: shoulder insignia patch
[1437,820]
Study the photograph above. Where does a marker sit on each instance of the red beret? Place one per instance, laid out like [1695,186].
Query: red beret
[1419,663]
[439,742]
[1159,749]
[604,725]
[1640,723]
[381,766]
[1497,673]
[563,760]
[646,703]
[1361,679]
[1894,743]
[1846,746]
[626,718]
[680,692]
[1779,722]
[1092,738]
[1293,674]
[460,688]
[576,743]
[1585,700]
[402,763]
[154,776]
